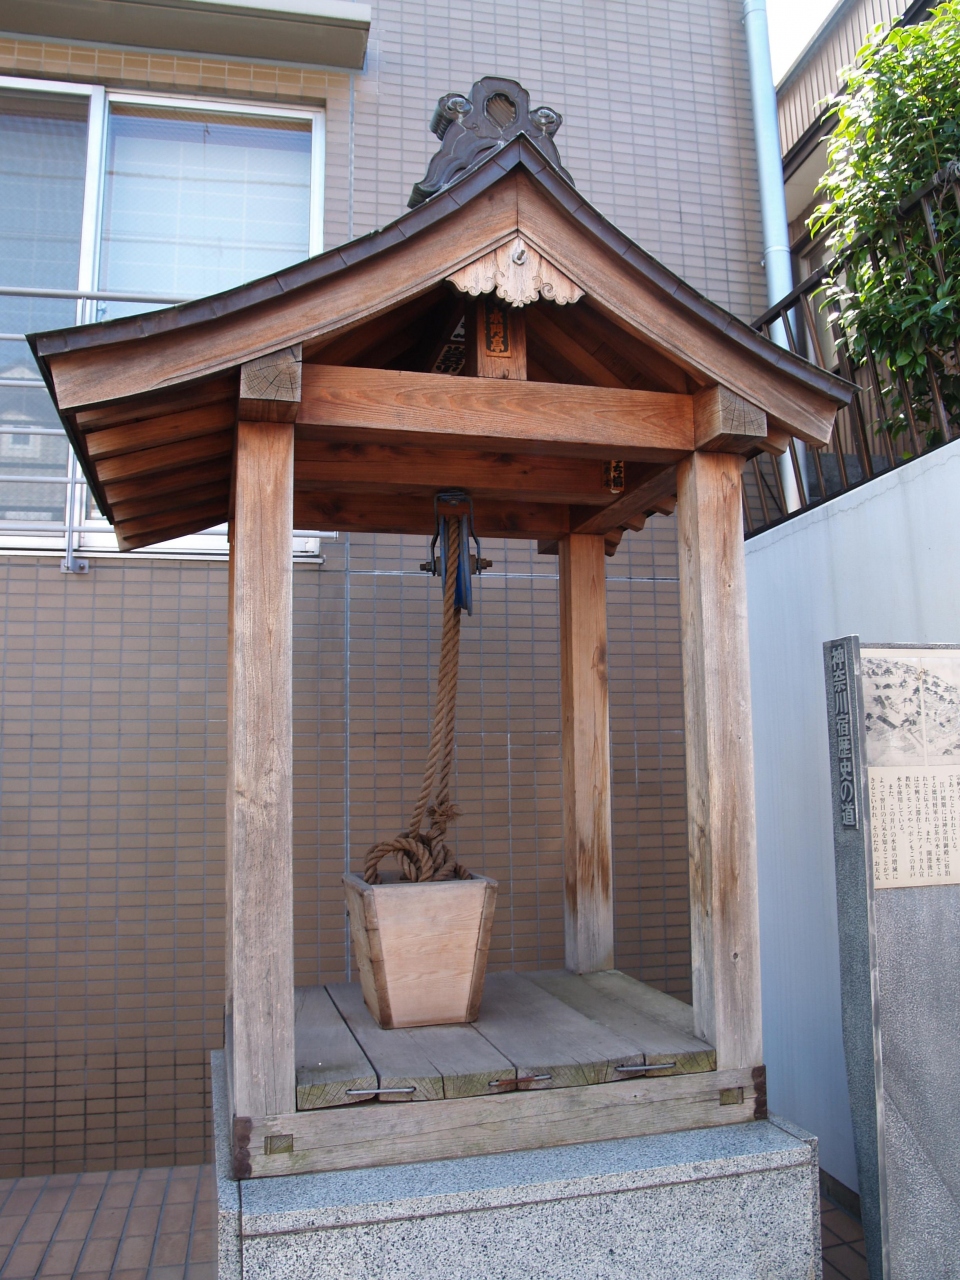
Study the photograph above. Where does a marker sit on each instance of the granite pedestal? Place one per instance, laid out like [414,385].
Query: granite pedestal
[738,1202]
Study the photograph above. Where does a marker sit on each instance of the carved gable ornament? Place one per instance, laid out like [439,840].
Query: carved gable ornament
[471,128]
[519,275]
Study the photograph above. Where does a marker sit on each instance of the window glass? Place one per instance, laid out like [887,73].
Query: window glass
[43,152]
[199,201]
[32,446]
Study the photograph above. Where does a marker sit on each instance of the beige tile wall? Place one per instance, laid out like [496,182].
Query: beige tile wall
[111,758]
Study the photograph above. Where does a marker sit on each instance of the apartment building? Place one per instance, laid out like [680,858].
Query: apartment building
[158,150]
[805,96]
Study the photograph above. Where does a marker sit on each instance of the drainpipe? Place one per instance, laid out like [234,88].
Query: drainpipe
[773,204]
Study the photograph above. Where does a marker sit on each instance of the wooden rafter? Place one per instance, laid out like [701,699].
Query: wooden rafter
[169,429]
[175,482]
[637,363]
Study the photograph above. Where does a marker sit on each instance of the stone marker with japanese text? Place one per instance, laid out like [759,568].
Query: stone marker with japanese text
[894,721]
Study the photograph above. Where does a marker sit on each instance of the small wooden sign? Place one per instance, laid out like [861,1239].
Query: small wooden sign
[496,328]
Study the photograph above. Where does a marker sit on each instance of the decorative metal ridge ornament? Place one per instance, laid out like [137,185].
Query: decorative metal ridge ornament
[470,128]
[519,274]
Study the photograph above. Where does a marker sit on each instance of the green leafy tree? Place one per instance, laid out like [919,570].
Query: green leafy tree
[898,127]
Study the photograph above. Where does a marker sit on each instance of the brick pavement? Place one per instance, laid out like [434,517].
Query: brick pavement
[159,1224]
[844,1257]
[130,1224]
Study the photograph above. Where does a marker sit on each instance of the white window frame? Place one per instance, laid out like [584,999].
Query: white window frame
[95,536]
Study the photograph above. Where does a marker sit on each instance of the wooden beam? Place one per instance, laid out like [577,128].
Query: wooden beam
[167,429]
[629,509]
[654,423]
[724,422]
[367,1137]
[442,443]
[270,387]
[547,365]
[776,441]
[355,513]
[724,919]
[260,782]
[370,468]
[587,849]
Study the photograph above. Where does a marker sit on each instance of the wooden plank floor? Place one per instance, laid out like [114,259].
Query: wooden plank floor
[534,1031]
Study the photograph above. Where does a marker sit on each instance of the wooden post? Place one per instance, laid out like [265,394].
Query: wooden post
[724,920]
[588,860]
[260,786]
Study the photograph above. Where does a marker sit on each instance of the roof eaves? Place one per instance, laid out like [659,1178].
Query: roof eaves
[676,287]
[519,152]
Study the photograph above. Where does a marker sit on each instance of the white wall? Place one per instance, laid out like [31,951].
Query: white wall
[882,562]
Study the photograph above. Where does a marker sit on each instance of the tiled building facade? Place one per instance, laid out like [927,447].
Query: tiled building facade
[113,683]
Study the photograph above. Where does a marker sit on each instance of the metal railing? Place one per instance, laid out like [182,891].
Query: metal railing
[891,420]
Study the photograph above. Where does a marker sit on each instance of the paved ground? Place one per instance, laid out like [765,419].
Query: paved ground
[158,1224]
[135,1224]
[844,1257]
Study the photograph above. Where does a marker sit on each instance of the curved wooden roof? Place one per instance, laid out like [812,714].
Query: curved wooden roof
[151,402]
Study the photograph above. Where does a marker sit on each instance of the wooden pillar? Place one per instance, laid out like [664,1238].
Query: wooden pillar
[588,860]
[260,768]
[724,919]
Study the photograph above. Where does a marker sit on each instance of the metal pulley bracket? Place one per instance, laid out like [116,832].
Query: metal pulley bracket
[454,504]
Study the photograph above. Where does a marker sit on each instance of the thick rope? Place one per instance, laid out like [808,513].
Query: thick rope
[424,855]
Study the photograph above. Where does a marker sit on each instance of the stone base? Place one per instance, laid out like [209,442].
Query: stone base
[739,1202]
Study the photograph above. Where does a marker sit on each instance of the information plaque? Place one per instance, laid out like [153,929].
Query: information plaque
[894,734]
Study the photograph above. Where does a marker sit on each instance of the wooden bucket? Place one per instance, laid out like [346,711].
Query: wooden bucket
[421,948]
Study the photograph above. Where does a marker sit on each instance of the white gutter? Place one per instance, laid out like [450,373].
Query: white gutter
[773,204]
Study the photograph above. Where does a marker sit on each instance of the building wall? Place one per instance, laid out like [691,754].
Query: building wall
[874,562]
[657,128]
[806,90]
[111,762]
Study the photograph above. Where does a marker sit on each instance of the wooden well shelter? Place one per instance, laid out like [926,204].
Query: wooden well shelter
[500,338]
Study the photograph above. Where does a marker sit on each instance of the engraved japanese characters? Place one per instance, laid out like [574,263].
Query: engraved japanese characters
[911,701]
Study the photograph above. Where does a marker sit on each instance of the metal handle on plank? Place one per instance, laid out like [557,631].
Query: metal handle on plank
[649,1066]
[412,1088]
[492,1084]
